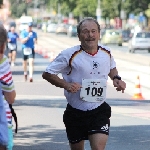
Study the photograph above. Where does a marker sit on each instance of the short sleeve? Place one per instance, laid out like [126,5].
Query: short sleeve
[35,35]
[6,77]
[22,35]
[58,65]
[112,62]
[17,35]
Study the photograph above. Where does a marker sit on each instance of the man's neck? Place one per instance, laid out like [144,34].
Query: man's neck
[90,50]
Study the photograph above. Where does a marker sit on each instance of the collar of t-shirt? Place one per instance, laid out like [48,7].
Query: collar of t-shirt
[89,52]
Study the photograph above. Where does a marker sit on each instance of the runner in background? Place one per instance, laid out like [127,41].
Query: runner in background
[28,39]
[12,45]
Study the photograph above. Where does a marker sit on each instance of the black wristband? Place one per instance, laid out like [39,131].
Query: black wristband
[117,77]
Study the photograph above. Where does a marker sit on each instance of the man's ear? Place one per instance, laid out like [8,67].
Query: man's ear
[78,37]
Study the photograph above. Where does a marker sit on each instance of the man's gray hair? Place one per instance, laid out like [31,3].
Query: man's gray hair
[87,19]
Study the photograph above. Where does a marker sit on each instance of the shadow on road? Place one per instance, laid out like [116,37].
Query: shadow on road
[41,137]
[134,137]
[42,103]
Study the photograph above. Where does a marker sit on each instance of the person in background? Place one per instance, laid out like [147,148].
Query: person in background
[85,69]
[7,86]
[28,39]
[12,45]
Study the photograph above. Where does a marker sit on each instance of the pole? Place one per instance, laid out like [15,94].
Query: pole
[35,10]
[59,13]
[98,11]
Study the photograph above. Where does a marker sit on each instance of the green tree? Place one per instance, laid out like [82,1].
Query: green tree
[18,8]
[1,2]
[85,8]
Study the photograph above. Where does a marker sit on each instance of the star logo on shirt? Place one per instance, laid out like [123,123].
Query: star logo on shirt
[95,65]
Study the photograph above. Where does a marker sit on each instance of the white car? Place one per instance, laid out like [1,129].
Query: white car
[139,41]
[51,28]
[23,26]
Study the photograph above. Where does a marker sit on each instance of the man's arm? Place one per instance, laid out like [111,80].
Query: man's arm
[113,72]
[35,38]
[24,40]
[55,80]
[10,96]
[118,83]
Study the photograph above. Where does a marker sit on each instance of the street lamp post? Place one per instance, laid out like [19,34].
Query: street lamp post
[98,11]
[123,15]
[35,9]
[59,13]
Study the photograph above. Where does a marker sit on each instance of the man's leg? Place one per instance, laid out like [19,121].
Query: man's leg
[10,56]
[98,141]
[77,146]
[25,68]
[31,68]
[13,57]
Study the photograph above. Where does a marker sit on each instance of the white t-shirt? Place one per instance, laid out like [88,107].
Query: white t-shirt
[75,64]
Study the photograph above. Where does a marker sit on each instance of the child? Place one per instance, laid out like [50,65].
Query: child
[7,86]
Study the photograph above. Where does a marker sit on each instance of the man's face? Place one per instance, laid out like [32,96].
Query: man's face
[12,29]
[89,34]
[29,28]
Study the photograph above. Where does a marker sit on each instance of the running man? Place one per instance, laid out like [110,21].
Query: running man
[28,39]
[12,45]
[85,69]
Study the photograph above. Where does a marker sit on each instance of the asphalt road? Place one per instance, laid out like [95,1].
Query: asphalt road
[39,107]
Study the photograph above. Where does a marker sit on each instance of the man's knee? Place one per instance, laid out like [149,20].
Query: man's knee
[98,141]
[77,146]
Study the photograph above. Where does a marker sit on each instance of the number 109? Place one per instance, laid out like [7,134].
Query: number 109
[94,91]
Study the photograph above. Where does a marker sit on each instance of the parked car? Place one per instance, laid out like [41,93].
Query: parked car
[61,29]
[139,41]
[51,28]
[112,36]
[72,30]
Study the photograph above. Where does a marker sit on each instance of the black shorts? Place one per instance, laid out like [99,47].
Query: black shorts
[79,124]
[32,55]
[10,51]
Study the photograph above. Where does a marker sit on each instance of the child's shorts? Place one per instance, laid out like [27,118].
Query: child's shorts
[10,141]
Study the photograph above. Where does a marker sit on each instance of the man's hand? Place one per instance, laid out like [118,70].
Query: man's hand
[73,87]
[119,84]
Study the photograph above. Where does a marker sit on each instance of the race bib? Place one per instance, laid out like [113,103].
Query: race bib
[12,46]
[93,90]
[27,51]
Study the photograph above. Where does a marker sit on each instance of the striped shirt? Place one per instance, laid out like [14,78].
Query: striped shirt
[7,85]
